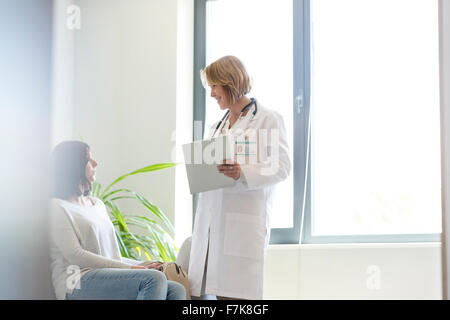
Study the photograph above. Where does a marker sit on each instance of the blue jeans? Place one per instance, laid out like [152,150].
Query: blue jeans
[127,284]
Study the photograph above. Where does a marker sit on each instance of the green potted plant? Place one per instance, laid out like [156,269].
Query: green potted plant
[154,238]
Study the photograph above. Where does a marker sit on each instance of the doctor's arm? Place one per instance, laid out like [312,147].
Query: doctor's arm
[275,164]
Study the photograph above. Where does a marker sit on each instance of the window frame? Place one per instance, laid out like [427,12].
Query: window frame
[199,92]
[300,117]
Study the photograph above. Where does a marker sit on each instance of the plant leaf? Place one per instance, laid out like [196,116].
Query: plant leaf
[155,242]
[150,206]
[122,247]
[153,167]
[96,189]
[115,211]
[157,212]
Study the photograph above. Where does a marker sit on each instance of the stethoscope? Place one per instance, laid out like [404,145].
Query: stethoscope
[253,101]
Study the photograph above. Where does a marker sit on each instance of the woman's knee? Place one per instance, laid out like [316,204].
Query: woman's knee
[175,291]
[153,285]
[154,277]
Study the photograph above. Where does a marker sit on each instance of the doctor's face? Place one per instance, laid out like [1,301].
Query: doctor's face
[218,92]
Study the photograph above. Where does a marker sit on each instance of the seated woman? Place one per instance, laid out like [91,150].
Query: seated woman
[85,257]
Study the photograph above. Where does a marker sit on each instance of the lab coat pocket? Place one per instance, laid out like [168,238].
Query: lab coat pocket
[245,235]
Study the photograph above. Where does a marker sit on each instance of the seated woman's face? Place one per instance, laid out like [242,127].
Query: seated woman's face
[91,168]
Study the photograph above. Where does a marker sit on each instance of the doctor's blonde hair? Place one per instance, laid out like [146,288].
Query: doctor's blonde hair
[230,73]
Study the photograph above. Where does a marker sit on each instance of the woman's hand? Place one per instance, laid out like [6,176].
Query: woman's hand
[232,170]
[154,265]
[138,267]
[148,265]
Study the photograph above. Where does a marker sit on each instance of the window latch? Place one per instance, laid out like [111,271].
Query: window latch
[299,102]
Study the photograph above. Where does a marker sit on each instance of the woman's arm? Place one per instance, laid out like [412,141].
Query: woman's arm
[131,261]
[65,238]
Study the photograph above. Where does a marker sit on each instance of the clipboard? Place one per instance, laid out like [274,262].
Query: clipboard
[201,160]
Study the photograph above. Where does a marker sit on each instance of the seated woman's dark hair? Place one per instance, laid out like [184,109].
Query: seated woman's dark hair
[68,170]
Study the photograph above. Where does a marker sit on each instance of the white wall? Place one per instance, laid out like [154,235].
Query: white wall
[125,91]
[123,84]
[353,271]
[62,74]
[184,116]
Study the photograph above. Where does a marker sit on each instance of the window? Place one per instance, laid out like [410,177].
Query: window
[266,51]
[261,36]
[358,86]
[375,139]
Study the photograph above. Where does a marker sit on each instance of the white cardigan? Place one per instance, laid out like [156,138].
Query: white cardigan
[81,238]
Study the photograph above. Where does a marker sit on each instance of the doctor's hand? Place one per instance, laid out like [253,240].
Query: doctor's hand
[232,170]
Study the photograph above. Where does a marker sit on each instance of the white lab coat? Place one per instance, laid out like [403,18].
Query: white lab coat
[231,226]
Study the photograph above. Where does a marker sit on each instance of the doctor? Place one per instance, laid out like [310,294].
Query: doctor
[231,229]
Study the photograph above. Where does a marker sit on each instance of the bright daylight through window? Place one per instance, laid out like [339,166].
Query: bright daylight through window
[374,106]
[375,117]
[263,41]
